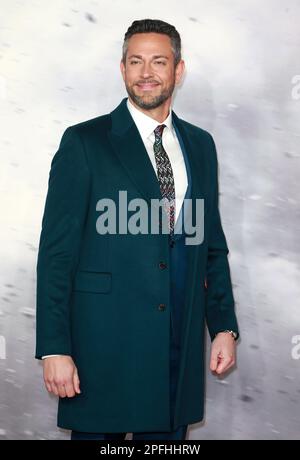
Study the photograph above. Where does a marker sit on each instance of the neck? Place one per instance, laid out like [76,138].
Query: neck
[159,113]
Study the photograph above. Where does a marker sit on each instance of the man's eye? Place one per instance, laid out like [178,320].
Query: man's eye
[160,62]
[134,62]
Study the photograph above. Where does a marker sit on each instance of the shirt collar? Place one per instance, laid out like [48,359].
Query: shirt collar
[145,124]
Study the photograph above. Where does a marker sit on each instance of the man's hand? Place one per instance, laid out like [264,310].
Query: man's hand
[61,376]
[222,352]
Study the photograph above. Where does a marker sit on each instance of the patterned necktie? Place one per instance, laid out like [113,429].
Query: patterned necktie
[165,176]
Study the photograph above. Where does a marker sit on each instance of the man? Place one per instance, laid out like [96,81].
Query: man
[120,314]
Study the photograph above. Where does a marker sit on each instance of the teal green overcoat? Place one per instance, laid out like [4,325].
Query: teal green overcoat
[98,295]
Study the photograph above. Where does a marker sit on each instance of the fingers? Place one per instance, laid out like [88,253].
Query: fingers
[67,388]
[72,386]
[225,364]
[60,389]
[48,386]
[222,353]
[61,376]
[70,389]
[76,382]
[220,362]
[54,388]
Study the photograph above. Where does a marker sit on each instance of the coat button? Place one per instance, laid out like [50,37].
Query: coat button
[162,265]
[162,306]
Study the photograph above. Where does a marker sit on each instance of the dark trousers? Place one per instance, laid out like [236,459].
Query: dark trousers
[178,271]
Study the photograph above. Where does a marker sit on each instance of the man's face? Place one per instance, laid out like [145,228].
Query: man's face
[149,73]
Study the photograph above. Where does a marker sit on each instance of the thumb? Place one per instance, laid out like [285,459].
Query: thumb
[76,381]
[213,361]
[214,357]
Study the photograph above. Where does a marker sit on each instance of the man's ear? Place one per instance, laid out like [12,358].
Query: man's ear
[122,68]
[179,71]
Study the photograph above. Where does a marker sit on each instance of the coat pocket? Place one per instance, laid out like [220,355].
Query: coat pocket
[87,281]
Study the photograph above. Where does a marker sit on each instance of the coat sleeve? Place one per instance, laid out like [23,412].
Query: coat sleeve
[63,222]
[219,300]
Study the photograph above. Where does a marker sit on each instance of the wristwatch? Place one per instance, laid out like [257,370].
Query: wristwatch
[233,333]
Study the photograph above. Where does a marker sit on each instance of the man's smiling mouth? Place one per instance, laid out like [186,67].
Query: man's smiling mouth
[147,86]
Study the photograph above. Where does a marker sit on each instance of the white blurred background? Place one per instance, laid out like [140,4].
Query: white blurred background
[59,65]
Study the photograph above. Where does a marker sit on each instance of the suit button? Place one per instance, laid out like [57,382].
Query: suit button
[162,306]
[162,265]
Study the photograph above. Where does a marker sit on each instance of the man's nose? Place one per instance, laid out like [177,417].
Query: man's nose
[146,70]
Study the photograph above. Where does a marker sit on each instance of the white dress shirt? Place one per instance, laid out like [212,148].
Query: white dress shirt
[146,126]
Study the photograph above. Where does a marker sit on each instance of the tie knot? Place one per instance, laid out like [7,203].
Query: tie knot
[159,130]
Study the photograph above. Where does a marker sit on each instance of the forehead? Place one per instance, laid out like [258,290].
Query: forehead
[149,43]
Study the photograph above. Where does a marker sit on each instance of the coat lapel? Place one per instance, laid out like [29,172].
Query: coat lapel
[129,148]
